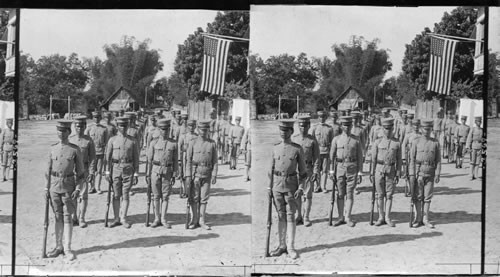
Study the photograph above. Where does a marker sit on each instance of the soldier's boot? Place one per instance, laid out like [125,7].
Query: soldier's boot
[194,216]
[74,217]
[59,249]
[381,213]
[324,178]
[290,240]
[247,171]
[308,204]
[388,208]
[116,212]
[203,216]
[461,161]
[418,217]
[340,208]
[83,211]
[472,171]
[68,234]
[156,209]
[477,171]
[427,223]
[125,206]
[349,204]
[164,208]
[3,173]
[282,238]
[299,220]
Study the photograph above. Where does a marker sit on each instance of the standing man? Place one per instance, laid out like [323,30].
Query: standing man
[337,130]
[438,124]
[449,131]
[228,141]
[287,159]
[461,133]
[310,148]
[403,128]
[152,132]
[236,135]
[202,170]
[109,126]
[175,131]
[347,162]
[323,134]
[221,123]
[99,135]
[122,153]
[163,158]
[425,166]
[87,149]
[246,145]
[386,170]
[445,130]
[132,129]
[474,143]
[183,144]
[413,135]
[67,174]
[7,148]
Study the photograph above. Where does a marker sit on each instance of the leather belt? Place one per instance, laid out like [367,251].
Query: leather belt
[159,164]
[426,163]
[383,163]
[116,161]
[279,173]
[57,174]
[203,164]
[347,160]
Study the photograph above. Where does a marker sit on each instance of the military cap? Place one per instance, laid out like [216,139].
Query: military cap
[130,114]
[321,113]
[464,117]
[191,122]
[96,114]
[304,120]
[10,120]
[286,124]
[332,113]
[404,111]
[184,115]
[178,115]
[80,119]
[345,120]
[385,110]
[427,123]
[387,122]
[64,125]
[122,120]
[415,121]
[163,123]
[107,114]
[153,117]
[478,118]
[238,118]
[404,115]
[355,114]
[411,115]
[204,124]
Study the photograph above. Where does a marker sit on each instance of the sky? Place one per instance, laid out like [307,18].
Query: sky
[313,30]
[85,32]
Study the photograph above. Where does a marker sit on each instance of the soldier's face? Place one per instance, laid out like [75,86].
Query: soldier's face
[164,132]
[238,121]
[388,131]
[97,119]
[80,128]
[286,133]
[426,131]
[323,118]
[346,129]
[303,128]
[63,134]
[9,124]
[203,132]
[191,128]
[122,129]
[478,123]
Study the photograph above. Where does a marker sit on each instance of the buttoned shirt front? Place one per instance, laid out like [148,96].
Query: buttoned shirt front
[124,150]
[425,157]
[287,160]
[386,155]
[346,152]
[7,140]
[461,133]
[311,151]
[475,138]
[201,158]
[323,133]
[162,155]
[87,149]
[99,135]
[65,160]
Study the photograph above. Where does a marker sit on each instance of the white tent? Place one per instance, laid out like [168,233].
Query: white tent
[7,110]
[471,108]
[241,107]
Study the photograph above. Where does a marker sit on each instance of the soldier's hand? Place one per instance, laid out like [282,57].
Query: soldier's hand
[214,180]
[298,193]
[108,176]
[75,194]
[148,179]
[46,195]
[90,178]
[372,178]
[396,180]
[436,179]
[136,180]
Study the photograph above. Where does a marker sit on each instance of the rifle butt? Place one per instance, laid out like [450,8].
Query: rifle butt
[45,229]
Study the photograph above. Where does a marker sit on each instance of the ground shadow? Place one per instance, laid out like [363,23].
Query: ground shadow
[369,241]
[5,192]
[436,217]
[454,191]
[229,177]
[216,192]
[147,242]
[444,175]
[5,219]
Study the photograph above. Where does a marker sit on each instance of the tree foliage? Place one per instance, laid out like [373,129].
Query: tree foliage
[460,22]
[6,84]
[189,60]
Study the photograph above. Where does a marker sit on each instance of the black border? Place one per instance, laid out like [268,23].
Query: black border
[485,132]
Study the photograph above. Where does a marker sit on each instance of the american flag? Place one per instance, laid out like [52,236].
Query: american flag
[441,65]
[214,65]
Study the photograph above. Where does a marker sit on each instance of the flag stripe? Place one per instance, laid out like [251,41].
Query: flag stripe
[214,65]
[441,65]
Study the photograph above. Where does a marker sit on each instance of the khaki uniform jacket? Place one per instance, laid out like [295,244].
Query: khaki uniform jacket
[99,135]
[425,157]
[236,133]
[347,152]
[124,149]
[201,158]
[87,150]
[311,151]
[66,160]
[475,138]
[386,156]
[287,159]
[461,133]
[164,152]
[323,133]
[7,140]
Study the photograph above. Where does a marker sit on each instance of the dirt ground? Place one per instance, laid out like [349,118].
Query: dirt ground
[224,250]
[6,198]
[453,247]
[492,243]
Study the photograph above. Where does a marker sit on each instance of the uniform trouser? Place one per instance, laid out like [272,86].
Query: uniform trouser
[460,149]
[98,166]
[201,189]
[63,205]
[384,184]
[7,158]
[161,185]
[122,180]
[324,165]
[248,158]
[281,200]
[425,187]
[475,156]
[308,184]
[345,185]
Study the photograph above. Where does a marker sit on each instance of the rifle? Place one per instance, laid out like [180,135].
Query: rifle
[411,203]
[148,193]
[373,201]
[269,212]
[188,204]
[332,200]
[46,218]
[110,187]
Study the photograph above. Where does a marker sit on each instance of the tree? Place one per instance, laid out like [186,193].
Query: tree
[6,84]
[283,75]
[130,64]
[177,89]
[189,60]
[460,22]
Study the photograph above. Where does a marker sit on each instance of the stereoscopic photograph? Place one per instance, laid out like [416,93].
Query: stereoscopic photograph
[369,144]
[134,143]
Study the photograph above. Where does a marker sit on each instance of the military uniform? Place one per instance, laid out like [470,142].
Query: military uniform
[236,135]
[475,143]
[287,159]
[122,154]
[461,133]
[445,130]
[162,155]
[449,131]
[323,133]
[425,166]
[310,148]
[151,133]
[183,144]
[175,131]
[227,140]
[246,145]
[132,130]
[7,147]
[109,126]
[347,161]
[87,150]
[99,135]
[202,168]
[386,169]
[65,166]
[357,131]
[220,126]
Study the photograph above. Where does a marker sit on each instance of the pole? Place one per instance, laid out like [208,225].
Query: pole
[69,107]
[146,97]
[374,94]
[279,106]
[297,105]
[50,108]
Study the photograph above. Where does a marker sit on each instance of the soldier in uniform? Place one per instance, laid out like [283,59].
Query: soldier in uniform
[109,126]
[449,131]
[461,133]
[347,162]
[385,171]
[227,139]
[122,153]
[99,135]
[386,113]
[474,143]
[87,149]
[310,148]
[132,129]
[287,159]
[183,128]
[438,124]
[221,123]
[246,145]
[183,144]
[152,132]
[236,135]
[403,127]
[175,131]
[323,134]
[410,137]
[444,129]
[7,148]
[163,157]
[65,166]
[201,169]
[425,166]
[357,130]
[366,123]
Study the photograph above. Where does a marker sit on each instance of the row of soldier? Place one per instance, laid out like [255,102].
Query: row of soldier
[180,149]
[401,147]
[7,145]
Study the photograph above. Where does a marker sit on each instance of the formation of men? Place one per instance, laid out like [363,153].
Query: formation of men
[7,144]
[175,148]
[395,147]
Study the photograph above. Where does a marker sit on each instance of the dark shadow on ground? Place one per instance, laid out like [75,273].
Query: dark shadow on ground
[147,242]
[5,192]
[454,191]
[216,192]
[5,219]
[230,177]
[369,241]
[435,217]
[445,176]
